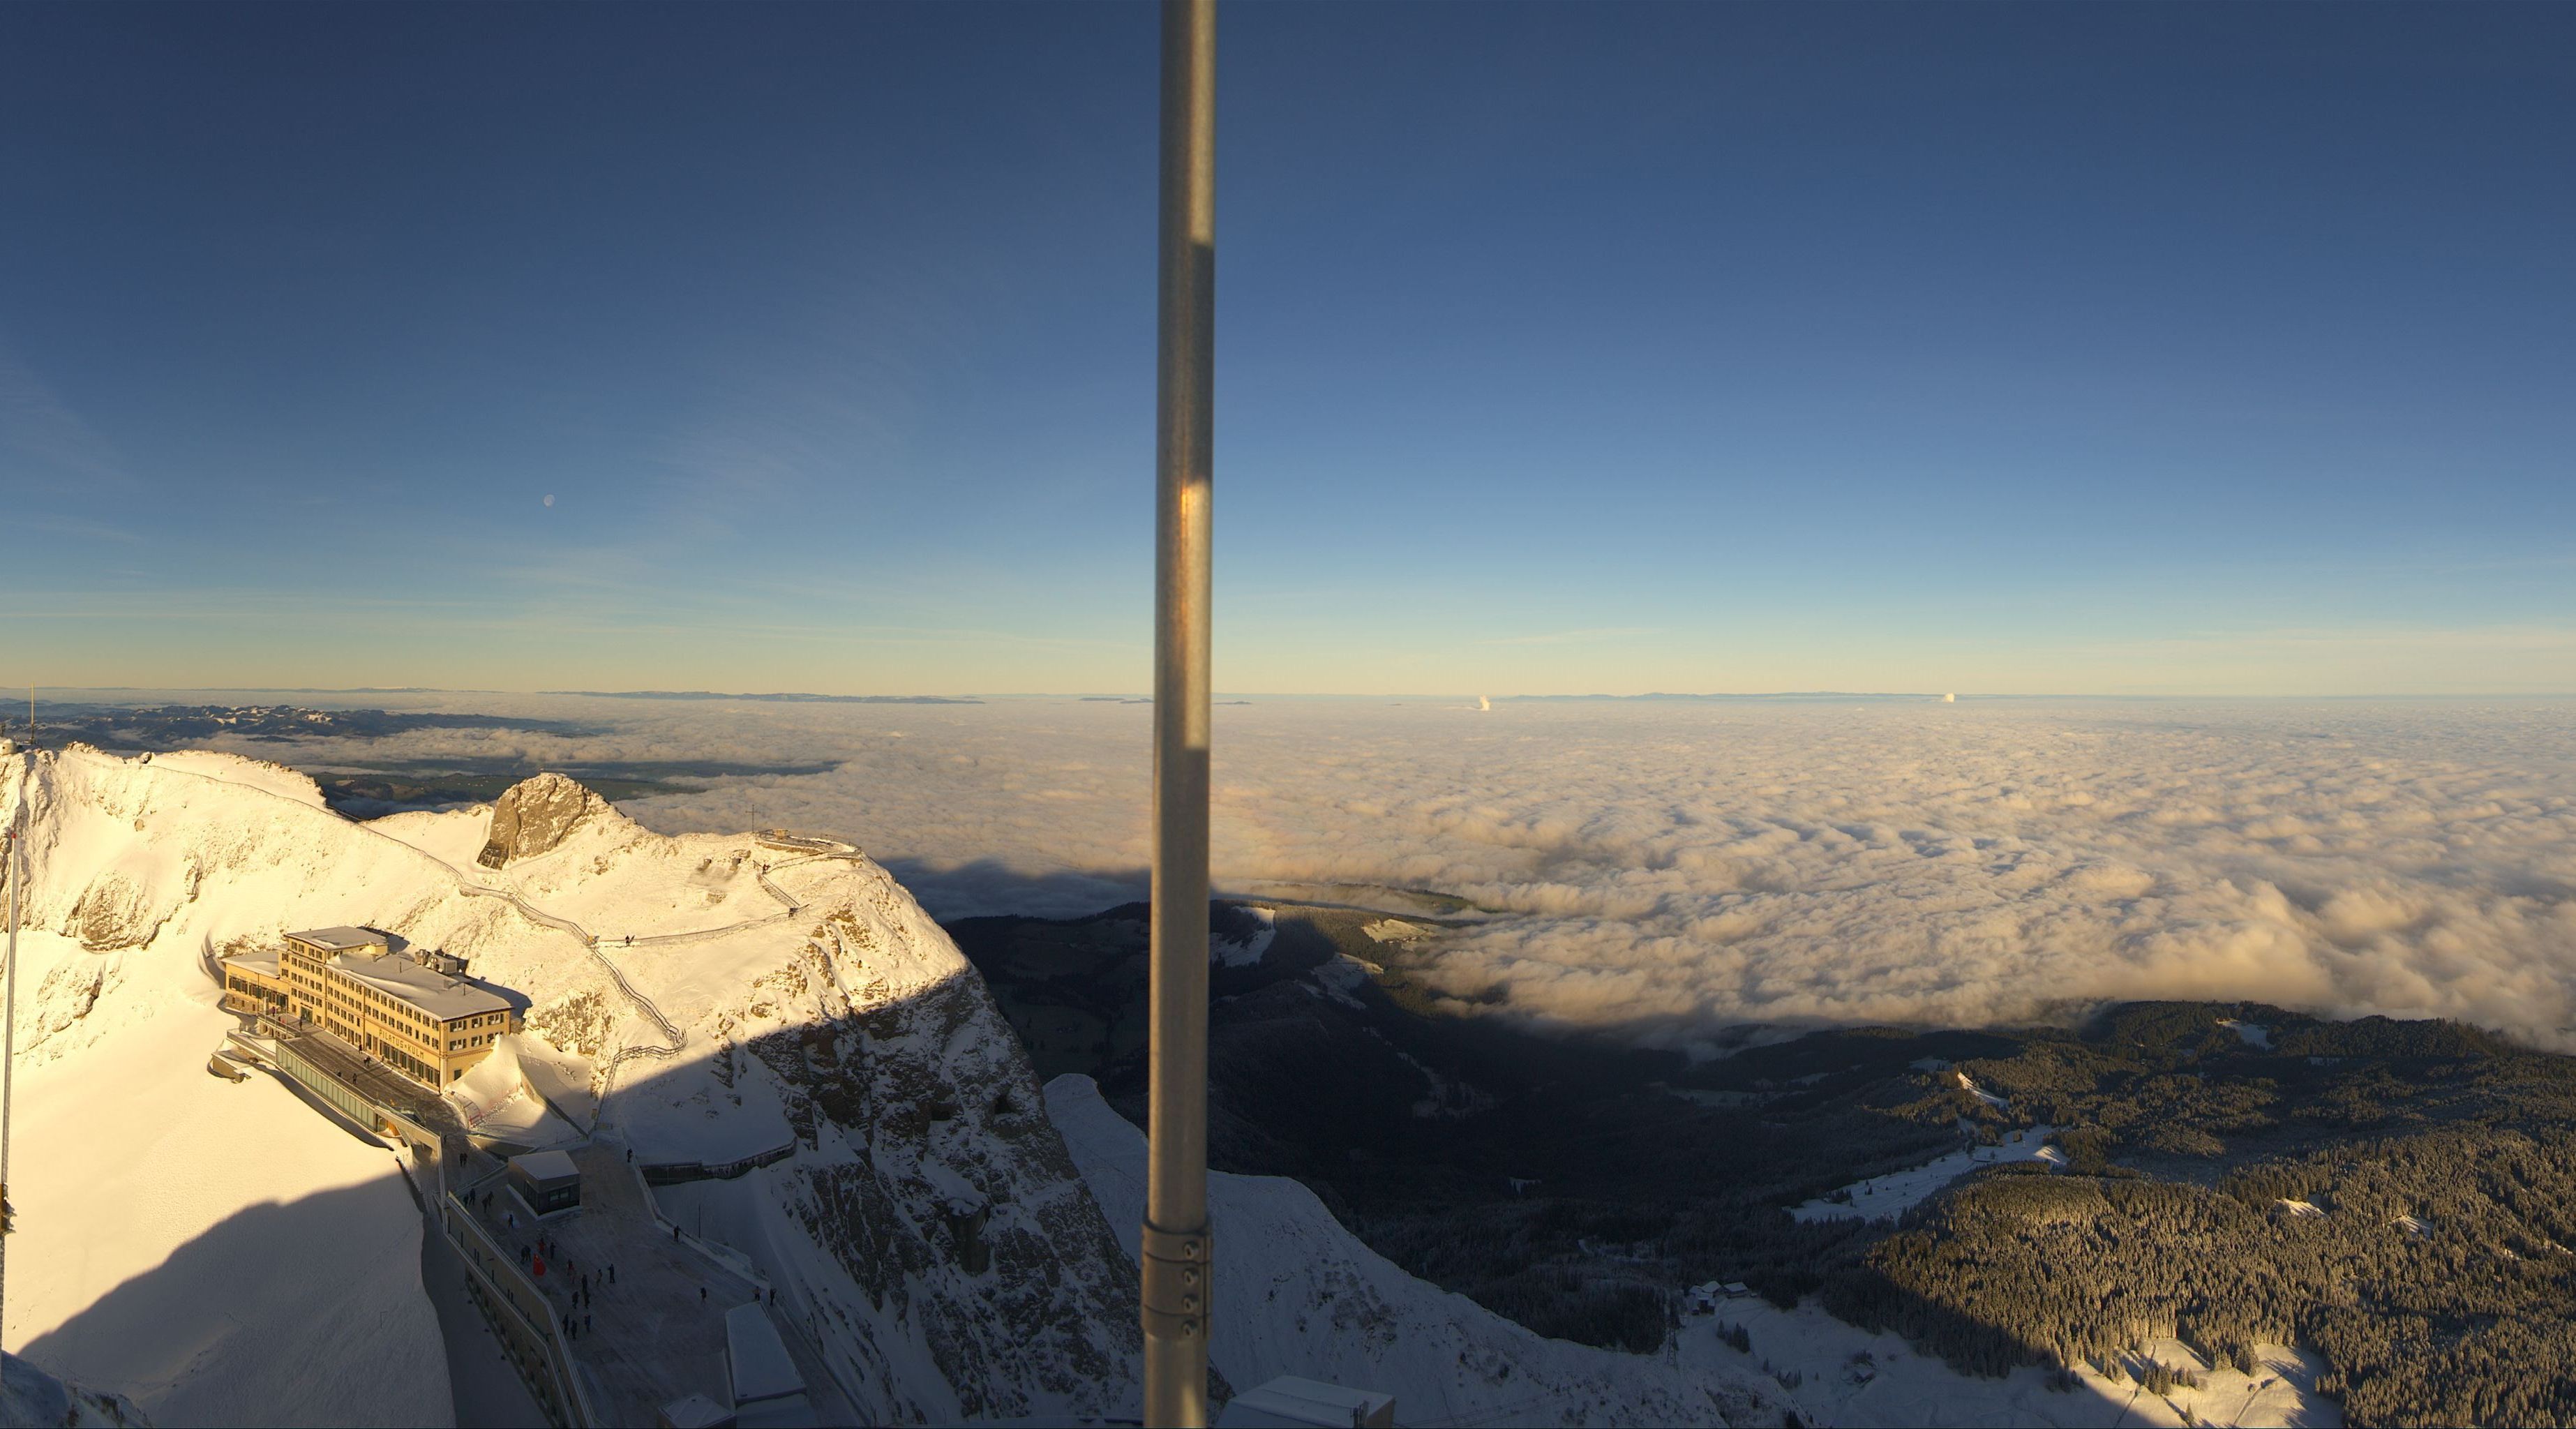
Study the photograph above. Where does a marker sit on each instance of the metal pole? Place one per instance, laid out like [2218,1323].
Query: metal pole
[1176,1264]
[10,852]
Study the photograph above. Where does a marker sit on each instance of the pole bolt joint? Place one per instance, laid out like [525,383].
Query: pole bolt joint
[1175,1271]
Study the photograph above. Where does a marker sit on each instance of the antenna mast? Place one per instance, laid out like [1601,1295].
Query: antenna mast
[1176,1263]
[10,852]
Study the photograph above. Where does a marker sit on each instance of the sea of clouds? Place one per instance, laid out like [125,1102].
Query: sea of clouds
[1672,869]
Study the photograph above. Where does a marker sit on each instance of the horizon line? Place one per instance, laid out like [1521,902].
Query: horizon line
[972,697]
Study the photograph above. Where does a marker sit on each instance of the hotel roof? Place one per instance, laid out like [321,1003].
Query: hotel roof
[340,940]
[436,993]
[257,960]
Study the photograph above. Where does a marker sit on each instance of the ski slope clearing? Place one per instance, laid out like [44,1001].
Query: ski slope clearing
[2258,1038]
[1246,952]
[1298,1294]
[1969,1085]
[770,1001]
[1884,1198]
[1834,1374]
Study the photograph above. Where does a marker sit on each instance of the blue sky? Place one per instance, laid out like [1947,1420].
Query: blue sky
[2087,349]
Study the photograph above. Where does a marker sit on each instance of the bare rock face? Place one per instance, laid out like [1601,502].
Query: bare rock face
[115,912]
[928,1180]
[536,814]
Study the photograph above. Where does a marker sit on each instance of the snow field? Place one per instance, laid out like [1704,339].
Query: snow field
[2259,1038]
[1884,1198]
[1839,1375]
[155,1200]
[278,1256]
[1248,952]
[1298,1294]
[159,1211]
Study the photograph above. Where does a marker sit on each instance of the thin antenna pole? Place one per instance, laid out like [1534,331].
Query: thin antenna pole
[1177,1263]
[9,859]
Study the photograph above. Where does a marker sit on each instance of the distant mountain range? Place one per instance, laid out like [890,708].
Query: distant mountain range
[784,698]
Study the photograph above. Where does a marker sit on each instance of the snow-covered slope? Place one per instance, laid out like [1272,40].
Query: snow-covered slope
[928,1224]
[155,1201]
[30,1396]
[1834,1374]
[156,1206]
[1298,1294]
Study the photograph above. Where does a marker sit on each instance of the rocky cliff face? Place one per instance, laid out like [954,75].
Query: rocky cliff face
[533,817]
[931,1188]
[929,1218]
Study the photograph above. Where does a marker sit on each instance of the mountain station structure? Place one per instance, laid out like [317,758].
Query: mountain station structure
[416,1011]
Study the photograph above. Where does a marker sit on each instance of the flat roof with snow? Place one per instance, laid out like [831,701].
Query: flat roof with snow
[545,1166]
[341,939]
[441,995]
[1293,1403]
[756,1356]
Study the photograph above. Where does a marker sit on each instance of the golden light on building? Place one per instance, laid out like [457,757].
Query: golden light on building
[417,1013]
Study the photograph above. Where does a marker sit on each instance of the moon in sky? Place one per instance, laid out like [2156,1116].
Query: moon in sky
[550,498]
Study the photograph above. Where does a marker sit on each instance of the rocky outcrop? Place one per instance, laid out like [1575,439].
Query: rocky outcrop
[535,815]
[927,1179]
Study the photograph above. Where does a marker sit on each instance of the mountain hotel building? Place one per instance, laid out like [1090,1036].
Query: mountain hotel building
[422,1017]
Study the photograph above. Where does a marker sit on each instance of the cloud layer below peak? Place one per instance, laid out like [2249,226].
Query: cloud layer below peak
[1674,870]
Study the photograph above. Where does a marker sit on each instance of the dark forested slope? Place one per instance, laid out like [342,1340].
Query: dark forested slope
[2396,1196]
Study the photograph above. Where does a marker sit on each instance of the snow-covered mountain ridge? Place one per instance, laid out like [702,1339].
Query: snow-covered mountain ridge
[928,1225]
[937,1227]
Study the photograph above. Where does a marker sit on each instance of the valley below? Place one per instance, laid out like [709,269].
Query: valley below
[2203,1204]
[926,1146]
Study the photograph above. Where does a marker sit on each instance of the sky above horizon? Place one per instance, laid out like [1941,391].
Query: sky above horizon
[2087,350]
